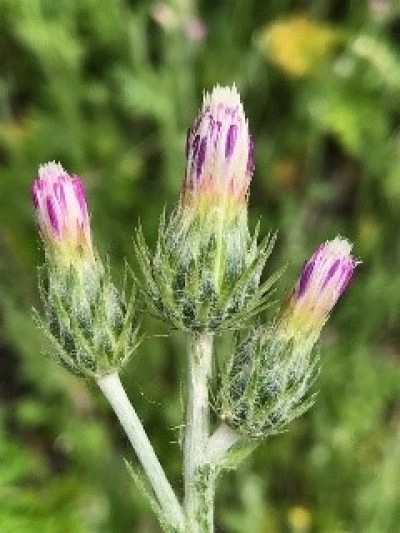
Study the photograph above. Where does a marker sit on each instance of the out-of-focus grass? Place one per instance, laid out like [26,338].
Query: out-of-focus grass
[109,90]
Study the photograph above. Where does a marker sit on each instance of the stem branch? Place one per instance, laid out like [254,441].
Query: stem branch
[220,442]
[113,390]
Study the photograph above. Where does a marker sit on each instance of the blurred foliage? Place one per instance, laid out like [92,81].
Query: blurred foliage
[109,90]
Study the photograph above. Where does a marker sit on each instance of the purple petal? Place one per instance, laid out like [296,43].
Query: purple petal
[215,130]
[331,272]
[34,195]
[305,277]
[348,271]
[60,193]
[52,215]
[201,157]
[218,124]
[195,145]
[250,157]
[80,194]
[231,140]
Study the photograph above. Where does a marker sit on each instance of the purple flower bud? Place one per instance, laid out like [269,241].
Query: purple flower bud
[322,281]
[61,210]
[219,149]
[231,140]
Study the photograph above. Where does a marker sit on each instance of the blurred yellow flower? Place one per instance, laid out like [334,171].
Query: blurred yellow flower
[299,519]
[297,44]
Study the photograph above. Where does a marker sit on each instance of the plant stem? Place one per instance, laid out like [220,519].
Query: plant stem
[220,442]
[113,390]
[199,475]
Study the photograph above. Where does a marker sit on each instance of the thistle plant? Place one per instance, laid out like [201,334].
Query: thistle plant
[205,276]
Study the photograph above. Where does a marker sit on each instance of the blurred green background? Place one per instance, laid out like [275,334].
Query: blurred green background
[109,89]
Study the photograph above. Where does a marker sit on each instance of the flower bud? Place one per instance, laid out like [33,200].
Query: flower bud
[219,152]
[62,213]
[322,281]
[266,383]
[88,322]
[268,378]
[206,270]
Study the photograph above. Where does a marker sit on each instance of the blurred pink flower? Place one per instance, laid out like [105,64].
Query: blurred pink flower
[179,19]
[195,30]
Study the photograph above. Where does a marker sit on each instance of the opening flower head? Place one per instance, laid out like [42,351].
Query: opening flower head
[219,151]
[322,281]
[61,212]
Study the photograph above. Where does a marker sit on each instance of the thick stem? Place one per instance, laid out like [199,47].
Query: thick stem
[114,392]
[199,476]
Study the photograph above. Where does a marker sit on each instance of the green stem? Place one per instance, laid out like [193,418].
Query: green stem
[113,390]
[198,473]
[220,442]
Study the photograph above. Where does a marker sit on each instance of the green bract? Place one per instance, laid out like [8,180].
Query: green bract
[87,320]
[266,382]
[205,272]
